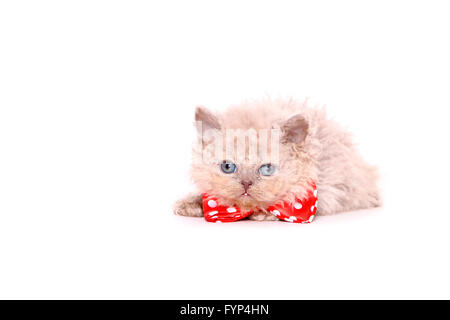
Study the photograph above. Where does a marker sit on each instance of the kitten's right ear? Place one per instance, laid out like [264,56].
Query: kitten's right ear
[207,118]
[295,129]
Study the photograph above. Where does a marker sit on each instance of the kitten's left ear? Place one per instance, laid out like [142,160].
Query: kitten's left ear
[294,130]
[208,124]
[209,120]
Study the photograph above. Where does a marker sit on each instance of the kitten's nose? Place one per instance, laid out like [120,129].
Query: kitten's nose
[246,184]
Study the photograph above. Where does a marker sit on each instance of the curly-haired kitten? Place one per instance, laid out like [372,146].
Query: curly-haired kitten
[311,148]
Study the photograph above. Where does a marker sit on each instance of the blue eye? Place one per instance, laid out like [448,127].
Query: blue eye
[228,167]
[267,169]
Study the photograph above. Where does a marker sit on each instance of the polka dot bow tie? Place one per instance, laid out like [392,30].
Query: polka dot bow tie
[300,211]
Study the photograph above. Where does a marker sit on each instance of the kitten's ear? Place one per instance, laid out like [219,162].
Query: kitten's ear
[207,118]
[294,130]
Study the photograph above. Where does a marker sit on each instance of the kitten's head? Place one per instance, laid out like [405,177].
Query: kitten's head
[251,167]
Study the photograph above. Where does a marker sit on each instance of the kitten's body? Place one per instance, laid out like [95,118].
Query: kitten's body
[313,148]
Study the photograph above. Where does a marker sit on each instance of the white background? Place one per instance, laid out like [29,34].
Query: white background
[96,111]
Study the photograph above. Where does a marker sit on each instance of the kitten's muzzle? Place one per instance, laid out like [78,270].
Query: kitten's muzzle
[246,185]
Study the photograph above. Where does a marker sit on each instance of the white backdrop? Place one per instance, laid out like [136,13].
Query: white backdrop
[96,110]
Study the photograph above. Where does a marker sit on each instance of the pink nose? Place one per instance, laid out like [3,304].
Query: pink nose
[246,184]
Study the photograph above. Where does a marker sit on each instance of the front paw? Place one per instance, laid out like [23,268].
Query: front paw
[190,207]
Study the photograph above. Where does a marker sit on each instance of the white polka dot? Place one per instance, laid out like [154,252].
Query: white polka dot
[276,212]
[290,219]
[213,213]
[315,193]
[298,206]
[312,208]
[238,216]
[218,221]
[315,204]
[311,218]
[212,204]
[231,210]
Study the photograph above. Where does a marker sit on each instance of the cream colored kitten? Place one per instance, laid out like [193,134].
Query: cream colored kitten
[311,148]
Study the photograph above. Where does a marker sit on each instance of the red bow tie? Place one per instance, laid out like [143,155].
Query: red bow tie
[300,211]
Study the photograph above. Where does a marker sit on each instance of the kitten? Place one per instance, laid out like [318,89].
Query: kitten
[310,147]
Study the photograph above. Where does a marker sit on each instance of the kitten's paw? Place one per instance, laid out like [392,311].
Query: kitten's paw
[262,217]
[189,206]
